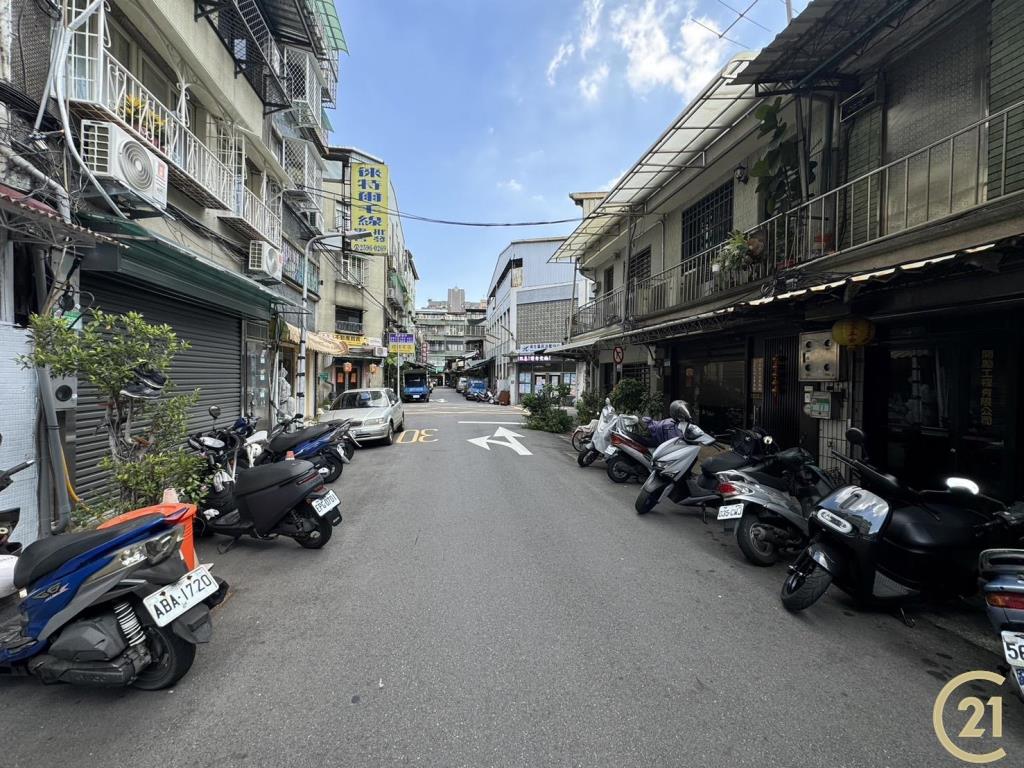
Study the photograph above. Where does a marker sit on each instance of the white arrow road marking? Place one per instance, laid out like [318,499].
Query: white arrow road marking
[501,436]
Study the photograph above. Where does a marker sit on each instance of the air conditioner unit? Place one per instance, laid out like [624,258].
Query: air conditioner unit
[265,262]
[313,218]
[111,152]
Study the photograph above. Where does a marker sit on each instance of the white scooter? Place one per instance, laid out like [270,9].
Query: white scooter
[599,443]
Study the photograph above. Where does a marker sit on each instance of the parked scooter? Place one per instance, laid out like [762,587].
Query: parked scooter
[600,440]
[582,434]
[771,503]
[895,543]
[283,499]
[328,446]
[1003,572]
[633,441]
[113,607]
[673,463]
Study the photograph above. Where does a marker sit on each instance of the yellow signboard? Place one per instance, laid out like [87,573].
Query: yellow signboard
[369,190]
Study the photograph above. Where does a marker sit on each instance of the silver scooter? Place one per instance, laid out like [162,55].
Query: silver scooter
[672,463]
[600,441]
[770,503]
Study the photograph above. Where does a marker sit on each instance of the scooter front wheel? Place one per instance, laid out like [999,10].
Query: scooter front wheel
[806,583]
[334,466]
[645,501]
[586,457]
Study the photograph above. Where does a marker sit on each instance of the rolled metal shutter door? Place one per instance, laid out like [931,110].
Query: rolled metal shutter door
[213,364]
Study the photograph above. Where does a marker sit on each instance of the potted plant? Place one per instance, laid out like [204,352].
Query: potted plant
[741,251]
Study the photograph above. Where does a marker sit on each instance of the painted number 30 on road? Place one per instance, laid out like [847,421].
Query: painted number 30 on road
[417,436]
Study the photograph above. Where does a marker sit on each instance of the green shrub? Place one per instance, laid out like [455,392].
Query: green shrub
[588,406]
[545,412]
[633,397]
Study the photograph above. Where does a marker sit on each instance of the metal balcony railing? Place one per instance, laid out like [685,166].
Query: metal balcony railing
[253,217]
[349,326]
[101,88]
[604,310]
[965,170]
[329,77]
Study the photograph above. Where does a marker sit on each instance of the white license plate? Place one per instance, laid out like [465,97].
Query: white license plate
[1013,648]
[610,450]
[174,599]
[730,511]
[326,504]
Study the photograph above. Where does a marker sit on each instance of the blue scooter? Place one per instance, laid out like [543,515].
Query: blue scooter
[114,607]
[1003,573]
[329,447]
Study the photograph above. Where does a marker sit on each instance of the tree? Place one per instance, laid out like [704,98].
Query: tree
[146,438]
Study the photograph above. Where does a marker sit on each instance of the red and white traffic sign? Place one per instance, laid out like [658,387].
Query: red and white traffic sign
[617,355]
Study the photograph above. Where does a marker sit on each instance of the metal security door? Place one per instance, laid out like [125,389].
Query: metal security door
[213,364]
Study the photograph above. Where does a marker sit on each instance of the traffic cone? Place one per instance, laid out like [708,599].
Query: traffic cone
[290,456]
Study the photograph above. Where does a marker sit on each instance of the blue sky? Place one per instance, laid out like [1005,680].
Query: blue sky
[489,110]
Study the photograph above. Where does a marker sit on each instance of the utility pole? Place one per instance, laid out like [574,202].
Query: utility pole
[300,374]
[789,11]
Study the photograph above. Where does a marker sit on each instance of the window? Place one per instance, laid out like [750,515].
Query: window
[608,280]
[708,222]
[348,320]
[353,269]
[638,372]
[639,267]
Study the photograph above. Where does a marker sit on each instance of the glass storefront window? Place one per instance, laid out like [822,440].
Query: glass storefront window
[918,389]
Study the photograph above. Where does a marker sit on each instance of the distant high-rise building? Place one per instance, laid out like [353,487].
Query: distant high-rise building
[456,300]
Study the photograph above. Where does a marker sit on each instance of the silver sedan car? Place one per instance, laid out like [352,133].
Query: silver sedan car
[376,414]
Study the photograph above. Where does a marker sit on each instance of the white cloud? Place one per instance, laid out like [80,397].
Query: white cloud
[537,198]
[591,31]
[610,184]
[685,62]
[565,50]
[512,185]
[590,85]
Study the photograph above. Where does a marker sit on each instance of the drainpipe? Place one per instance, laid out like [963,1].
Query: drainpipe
[49,406]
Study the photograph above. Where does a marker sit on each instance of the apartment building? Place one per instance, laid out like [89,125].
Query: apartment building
[192,137]
[830,234]
[373,281]
[450,333]
[530,300]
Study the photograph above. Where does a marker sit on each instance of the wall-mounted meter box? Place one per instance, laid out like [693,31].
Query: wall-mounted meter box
[823,405]
[819,357]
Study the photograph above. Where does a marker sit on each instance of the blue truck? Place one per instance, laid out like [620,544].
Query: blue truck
[415,387]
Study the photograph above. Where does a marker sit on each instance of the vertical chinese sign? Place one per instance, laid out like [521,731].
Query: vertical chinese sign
[988,367]
[369,189]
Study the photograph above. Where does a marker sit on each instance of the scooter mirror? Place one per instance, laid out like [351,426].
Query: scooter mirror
[855,436]
[215,411]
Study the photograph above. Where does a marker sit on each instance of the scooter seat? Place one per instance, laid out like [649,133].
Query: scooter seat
[916,528]
[723,462]
[46,555]
[268,475]
[288,440]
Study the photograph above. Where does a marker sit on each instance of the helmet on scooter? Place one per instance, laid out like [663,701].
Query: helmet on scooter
[680,411]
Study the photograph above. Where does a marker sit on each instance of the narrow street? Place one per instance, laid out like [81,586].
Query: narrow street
[481,607]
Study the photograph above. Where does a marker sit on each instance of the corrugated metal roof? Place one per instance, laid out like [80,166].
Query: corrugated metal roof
[721,105]
[332,26]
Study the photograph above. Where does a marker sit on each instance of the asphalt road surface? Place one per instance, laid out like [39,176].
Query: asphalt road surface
[493,607]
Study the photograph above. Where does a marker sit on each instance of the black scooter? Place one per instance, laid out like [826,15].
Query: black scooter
[898,543]
[284,499]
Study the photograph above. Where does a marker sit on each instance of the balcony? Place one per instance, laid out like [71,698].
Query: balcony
[946,180]
[99,87]
[350,327]
[253,218]
[329,78]
[245,34]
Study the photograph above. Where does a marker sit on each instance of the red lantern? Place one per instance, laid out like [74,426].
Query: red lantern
[347,367]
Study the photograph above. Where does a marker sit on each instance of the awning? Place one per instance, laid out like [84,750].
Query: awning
[318,341]
[479,364]
[832,40]
[719,107]
[31,220]
[138,254]
[332,26]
